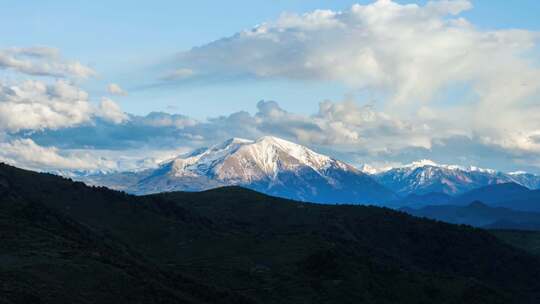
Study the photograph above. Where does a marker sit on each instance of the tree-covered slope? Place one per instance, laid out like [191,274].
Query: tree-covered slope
[235,245]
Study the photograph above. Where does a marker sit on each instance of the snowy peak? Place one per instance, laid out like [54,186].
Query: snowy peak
[429,163]
[269,164]
[421,163]
[246,160]
[270,148]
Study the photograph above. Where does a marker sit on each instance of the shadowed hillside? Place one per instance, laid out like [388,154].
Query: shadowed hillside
[235,245]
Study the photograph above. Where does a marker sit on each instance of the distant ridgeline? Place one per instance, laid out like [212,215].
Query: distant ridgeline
[65,242]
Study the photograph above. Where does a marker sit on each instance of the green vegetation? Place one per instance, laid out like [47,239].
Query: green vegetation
[64,242]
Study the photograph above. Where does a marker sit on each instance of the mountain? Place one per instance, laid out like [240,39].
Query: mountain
[270,165]
[528,180]
[418,200]
[508,195]
[480,215]
[494,194]
[65,242]
[425,176]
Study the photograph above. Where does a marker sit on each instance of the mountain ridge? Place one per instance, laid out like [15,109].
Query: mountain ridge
[425,176]
[279,167]
[269,164]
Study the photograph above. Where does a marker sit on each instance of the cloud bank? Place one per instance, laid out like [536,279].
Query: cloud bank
[47,99]
[345,129]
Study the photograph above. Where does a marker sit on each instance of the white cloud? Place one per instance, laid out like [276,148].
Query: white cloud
[410,51]
[417,57]
[27,154]
[109,110]
[36,105]
[115,89]
[346,130]
[42,61]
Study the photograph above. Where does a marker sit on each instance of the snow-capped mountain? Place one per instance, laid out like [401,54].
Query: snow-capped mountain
[426,176]
[270,165]
[528,180]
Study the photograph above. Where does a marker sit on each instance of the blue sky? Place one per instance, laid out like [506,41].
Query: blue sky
[361,83]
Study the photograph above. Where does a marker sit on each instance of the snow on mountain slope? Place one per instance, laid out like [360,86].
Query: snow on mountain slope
[528,180]
[245,161]
[269,164]
[426,176]
[282,168]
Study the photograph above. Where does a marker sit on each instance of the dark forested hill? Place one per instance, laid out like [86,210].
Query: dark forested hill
[64,242]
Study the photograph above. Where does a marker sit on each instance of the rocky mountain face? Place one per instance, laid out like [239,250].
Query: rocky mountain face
[270,165]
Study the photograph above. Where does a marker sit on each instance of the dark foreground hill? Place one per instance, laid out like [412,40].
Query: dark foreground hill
[64,242]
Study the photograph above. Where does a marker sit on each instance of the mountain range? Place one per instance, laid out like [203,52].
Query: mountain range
[426,176]
[65,242]
[269,164]
[282,168]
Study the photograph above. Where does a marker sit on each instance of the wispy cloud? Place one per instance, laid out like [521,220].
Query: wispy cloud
[42,61]
[115,89]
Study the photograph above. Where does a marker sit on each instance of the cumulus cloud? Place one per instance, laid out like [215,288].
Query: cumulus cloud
[27,154]
[111,111]
[416,57]
[409,50]
[36,105]
[115,89]
[42,61]
[343,125]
